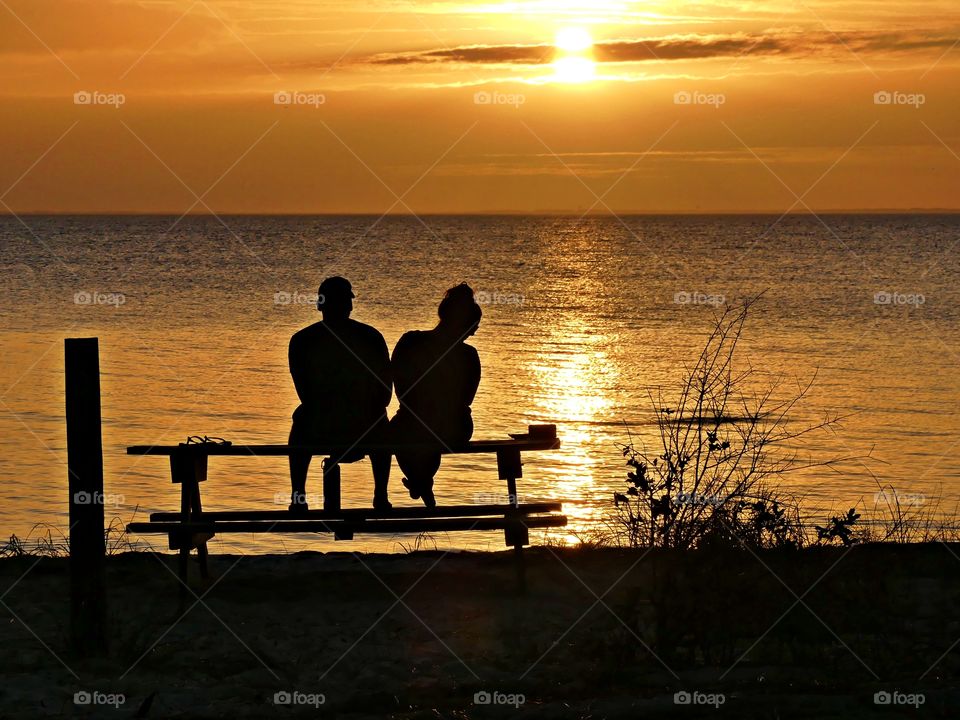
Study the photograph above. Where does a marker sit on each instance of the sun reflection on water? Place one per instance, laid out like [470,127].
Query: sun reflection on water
[575,392]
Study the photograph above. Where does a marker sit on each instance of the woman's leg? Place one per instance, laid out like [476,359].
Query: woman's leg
[419,468]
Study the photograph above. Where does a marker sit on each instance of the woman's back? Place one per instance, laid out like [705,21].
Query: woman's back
[436,379]
[436,376]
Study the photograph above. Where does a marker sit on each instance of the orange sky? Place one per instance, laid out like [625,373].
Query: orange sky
[386,106]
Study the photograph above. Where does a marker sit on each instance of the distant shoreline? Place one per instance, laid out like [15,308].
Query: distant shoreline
[495,214]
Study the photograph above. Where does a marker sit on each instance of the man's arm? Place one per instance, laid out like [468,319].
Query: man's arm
[382,369]
[297,360]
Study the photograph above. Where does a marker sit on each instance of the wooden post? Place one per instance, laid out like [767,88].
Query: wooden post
[85,480]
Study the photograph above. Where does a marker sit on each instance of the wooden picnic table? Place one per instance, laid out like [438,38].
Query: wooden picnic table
[191,527]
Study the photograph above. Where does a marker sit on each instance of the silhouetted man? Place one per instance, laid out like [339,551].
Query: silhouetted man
[341,369]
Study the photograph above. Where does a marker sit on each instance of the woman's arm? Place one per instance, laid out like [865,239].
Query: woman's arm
[400,366]
[473,374]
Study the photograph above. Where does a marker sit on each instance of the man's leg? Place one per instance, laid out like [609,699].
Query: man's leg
[380,463]
[331,485]
[299,465]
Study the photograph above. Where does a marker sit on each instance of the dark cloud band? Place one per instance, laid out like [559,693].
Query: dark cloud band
[681,47]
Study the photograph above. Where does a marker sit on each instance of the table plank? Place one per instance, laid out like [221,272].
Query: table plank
[474,446]
[353,526]
[369,513]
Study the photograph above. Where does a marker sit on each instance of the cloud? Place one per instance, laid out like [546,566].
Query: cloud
[682,47]
[481,54]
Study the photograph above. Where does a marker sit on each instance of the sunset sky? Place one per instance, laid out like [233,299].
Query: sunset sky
[308,106]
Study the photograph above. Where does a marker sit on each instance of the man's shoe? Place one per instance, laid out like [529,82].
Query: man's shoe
[382,504]
[298,503]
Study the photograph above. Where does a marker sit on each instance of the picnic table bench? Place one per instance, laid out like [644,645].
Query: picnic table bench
[191,527]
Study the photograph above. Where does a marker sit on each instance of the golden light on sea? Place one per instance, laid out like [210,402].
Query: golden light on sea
[575,393]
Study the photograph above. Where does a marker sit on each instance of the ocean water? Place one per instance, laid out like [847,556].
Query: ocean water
[584,319]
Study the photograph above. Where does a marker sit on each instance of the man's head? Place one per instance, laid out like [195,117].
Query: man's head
[335,299]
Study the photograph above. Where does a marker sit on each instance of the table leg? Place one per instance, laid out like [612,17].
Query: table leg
[188,468]
[331,485]
[184,543]
[197,509]
[516,534]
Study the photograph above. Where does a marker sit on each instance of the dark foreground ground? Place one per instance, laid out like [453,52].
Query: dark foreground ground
[600,634]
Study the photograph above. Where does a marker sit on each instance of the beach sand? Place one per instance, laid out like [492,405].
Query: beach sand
[599,634]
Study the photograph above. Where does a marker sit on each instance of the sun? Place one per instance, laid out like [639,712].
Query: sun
[573,40]
[574,60]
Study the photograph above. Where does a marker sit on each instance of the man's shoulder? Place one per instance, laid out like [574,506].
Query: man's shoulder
[364,331]
[363,327]
[350,334]
[347,327]
[308,333]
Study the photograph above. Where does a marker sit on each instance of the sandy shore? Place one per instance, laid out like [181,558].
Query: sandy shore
[599,634]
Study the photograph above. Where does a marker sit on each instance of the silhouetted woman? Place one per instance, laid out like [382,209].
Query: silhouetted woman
[436,375]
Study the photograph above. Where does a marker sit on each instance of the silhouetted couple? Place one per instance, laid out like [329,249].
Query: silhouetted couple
[345,378]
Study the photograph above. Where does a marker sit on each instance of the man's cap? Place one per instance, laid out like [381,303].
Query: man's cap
[335,287]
